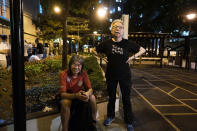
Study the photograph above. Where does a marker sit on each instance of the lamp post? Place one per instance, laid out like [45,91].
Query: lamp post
[190,17]
[101,12]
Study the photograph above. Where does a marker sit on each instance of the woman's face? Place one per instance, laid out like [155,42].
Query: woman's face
[76,68]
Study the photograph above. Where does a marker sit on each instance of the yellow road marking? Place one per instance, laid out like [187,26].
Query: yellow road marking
[146,88]
[187,82]
[188,99]
[170,83]
[178,114]
[172,90]
[170,105]
[164,117]
[172,96]
[181,79]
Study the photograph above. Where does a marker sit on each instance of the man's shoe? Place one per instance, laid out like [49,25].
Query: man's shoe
[130,127]
[108,121]
[93,126]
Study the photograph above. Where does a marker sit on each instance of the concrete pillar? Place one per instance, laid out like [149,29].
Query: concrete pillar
[125,19]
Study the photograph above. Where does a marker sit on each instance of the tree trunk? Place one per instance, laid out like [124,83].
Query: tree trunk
[64,49]
[64,34]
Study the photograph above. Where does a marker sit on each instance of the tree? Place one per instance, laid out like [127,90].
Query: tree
[52,25]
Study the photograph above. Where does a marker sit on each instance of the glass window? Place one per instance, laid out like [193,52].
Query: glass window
[118,0]
[41,11]
[3,7]
[141,15]
[114,10]
[185,33]
[119,9]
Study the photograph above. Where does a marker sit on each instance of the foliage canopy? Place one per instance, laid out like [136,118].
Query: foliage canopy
[50,24]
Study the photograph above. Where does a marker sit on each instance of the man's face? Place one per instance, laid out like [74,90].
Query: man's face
[117,30]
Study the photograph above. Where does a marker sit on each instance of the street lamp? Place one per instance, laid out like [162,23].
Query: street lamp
[190,17]
[57,9]
[101,12]
[95,32]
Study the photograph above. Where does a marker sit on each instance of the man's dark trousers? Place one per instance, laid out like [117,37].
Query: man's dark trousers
[125,87]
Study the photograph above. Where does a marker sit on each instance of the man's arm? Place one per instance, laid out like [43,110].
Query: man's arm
[139,53]
[66,95]
[95,52]
[101,55]
[81,95]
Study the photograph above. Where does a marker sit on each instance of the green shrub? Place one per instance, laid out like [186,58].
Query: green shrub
[53,65]
[46,72]
[35,68]
[95,73]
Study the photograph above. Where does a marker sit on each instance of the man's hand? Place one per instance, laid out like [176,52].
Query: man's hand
[83,96]
[130,59]
[141,51]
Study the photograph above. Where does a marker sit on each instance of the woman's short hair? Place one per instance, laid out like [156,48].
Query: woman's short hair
[72,60]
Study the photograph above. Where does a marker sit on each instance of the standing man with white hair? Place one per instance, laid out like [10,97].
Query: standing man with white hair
[117,51]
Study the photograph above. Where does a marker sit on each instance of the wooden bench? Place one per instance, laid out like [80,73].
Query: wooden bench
[147,60]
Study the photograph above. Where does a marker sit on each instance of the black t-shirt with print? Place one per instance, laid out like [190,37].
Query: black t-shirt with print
[117,54]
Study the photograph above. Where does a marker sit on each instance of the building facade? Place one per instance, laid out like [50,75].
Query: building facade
[5,18]
[31,8]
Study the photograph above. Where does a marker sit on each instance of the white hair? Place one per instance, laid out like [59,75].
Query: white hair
[116,21]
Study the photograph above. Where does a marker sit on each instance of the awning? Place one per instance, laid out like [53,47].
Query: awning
[4,21]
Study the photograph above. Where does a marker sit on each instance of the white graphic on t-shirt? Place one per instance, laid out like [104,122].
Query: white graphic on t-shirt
[68,79]
[117,50]
[80,83]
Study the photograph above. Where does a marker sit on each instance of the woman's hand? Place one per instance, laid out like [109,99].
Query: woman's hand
[83,96]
